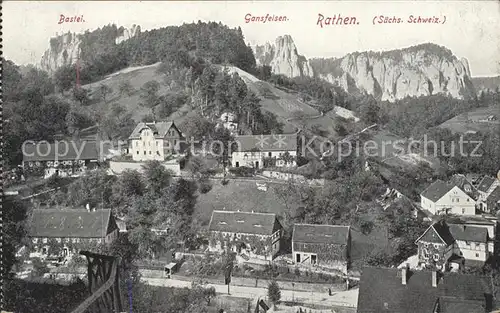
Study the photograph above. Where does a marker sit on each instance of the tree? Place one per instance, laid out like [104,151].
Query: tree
[149,93]
[39,267]
[274,292]
[103,91]
[196,127]
[81,95]
[65,77]
[125,88]
[14,214]
[157,176]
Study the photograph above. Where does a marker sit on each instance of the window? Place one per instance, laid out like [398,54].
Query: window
[477,255]
[270,154]
[458,200]
[463,211]
[149,152]
[137,152]
[144,152]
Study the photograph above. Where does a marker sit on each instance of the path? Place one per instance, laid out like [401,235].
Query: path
[343,298]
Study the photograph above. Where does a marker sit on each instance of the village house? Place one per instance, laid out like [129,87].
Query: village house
[447,198]
[63,232]
[405,290]
[253,235]
[155,141]
[62,158]
[229,121]
[448,246]
[325,246]
[259,151]
[489,194]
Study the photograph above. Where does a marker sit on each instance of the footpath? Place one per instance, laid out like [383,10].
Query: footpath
[347,298]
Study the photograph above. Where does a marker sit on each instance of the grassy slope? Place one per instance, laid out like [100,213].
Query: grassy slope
[470,121]
[273,100]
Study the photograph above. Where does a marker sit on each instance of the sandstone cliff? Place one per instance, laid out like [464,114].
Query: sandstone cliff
[420,70]
[283,58]
[65,49]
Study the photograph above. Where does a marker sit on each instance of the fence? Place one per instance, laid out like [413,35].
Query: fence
[253,282]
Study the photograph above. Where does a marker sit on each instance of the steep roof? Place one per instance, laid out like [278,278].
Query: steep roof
[381,290]
[441,229]
[437,190]
[485,183]
[61,151]
[159,129]
[494,196]
[454,305]
[65,223]
[276,142]
[244,222]
[327,234]
[462,182]
[448,232]
[469,233]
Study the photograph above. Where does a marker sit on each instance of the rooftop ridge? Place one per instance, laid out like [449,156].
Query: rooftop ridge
[227,211]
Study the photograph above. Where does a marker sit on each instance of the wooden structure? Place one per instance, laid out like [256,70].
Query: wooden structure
[103,285]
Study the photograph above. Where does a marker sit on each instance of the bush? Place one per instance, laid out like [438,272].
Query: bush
[242,171]
[205,185]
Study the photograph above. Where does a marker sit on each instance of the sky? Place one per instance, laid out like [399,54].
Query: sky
[471,29]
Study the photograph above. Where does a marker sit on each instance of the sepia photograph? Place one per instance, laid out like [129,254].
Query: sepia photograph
[250,156]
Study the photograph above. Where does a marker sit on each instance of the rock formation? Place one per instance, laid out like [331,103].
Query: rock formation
[283,58]
[65,49]
[417,71]
[421,70]
[128,33]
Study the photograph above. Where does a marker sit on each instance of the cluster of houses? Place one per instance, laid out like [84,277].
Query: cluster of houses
[154,141]
[465,231]
[259,236]
[462,235]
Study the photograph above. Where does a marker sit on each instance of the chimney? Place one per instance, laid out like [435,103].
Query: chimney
[88,207]
[434,279]
[404,273]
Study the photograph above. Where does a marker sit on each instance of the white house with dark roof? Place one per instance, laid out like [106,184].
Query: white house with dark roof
[154,141]
[64,158]
[489,194]
[325,246]
[444,244]
[69,230]
[447,198]
[278,150]
[254,235]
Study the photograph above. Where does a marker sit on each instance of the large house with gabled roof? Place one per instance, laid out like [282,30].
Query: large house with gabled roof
[446,245]
[324,246]
[405,290]
[251,234]
[155,141]
[64,231]
[259,151]
[447,198]
[62,158]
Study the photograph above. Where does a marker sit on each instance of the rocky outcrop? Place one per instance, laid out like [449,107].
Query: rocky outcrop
[416,71]
[65,49]
[128,33]
[421,70]
[283,58]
